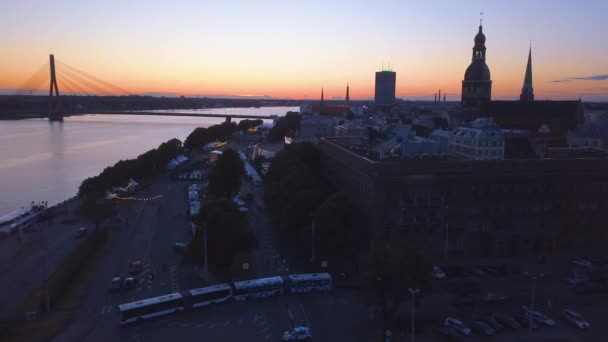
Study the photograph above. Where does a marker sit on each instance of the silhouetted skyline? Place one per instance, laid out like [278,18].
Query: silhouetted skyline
[283,49]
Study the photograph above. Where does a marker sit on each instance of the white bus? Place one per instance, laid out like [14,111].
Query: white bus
[258,288]
[300,283]
[151,307]
[209,295]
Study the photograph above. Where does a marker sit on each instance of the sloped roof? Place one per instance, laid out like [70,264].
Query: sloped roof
[559,115]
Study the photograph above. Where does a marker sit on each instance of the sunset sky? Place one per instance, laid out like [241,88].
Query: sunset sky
[292,48]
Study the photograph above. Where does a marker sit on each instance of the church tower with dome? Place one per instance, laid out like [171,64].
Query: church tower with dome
[477,85]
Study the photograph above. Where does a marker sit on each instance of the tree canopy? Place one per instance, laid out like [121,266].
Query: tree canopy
[227,235]
[285,126]
[146,166]
[225,177]
[201,136]
[339,226]
[393,271]
[246,124]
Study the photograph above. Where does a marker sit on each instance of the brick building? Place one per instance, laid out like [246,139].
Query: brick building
[484,207]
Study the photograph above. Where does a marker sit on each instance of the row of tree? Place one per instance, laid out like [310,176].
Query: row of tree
[226,226]
[296,196]
[142,168]
[227,235]
[201,136]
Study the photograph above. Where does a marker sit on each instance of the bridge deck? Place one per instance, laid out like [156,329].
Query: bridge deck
[202,115]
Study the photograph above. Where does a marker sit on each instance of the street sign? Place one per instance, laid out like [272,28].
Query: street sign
[245,265]
[324,264]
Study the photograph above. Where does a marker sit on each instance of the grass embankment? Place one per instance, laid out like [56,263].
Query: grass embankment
[65,283]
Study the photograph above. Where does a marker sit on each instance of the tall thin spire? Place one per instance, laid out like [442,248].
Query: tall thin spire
[347,94]
[527,91]
[322,97]
[444,97]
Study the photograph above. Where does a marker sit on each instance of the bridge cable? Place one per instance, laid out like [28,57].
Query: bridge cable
[95,79]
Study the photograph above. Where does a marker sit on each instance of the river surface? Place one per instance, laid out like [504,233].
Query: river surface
[44,161]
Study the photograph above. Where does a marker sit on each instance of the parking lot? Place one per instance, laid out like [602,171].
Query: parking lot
[477,293]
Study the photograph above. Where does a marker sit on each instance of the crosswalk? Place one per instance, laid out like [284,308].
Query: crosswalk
[261,323]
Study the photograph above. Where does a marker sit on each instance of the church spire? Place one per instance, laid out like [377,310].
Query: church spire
[322,97]
[347,94]
[527,92]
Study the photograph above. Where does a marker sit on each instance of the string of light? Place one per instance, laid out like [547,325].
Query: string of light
[131,198]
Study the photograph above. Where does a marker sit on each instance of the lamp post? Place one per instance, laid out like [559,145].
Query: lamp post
[312,256]
[413,292]
[533,277]
[206,266]
[447,233]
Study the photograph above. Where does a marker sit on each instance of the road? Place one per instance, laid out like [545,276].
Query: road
[24,260]
[150,230]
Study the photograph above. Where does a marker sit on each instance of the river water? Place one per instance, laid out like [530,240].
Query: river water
[44,161]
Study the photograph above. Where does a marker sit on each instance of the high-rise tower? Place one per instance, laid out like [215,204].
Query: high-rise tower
[477,85]
[385,88]
[347,94]
[527,92]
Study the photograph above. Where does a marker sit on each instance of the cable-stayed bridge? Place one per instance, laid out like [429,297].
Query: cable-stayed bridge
[64,79]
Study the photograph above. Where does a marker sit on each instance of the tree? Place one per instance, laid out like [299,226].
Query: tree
[285,126]
[197,139]
[338,226]
[247,124]
[226,174]
[227,235]
[393,271]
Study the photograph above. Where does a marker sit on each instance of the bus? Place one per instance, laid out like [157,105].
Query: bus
[258,288]
[151,307]
[300,283]
[209,295]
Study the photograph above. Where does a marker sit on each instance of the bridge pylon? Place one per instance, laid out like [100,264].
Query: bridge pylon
[54,104]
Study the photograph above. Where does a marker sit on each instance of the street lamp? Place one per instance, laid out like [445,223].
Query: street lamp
[413,292]
[447,233]
[533,277]
[312,257]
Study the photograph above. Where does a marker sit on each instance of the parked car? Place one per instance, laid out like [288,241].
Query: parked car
[81,232]
[582,262]
[457,325]
[297,334]
[437,272]
[491,322]
[135,267]
[577,278]
[491,297]
[491,270]
[575,318]
[482,328]
[506,320]
[116,284]
[478,271]
[589,288]
[449,334]
[538,316]
[179,247]
[468,299]
[128,283]
[526,321]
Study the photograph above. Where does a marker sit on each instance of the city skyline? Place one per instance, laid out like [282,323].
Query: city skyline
[291,51]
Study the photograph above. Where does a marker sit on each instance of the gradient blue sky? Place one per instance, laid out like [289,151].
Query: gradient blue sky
[291,49]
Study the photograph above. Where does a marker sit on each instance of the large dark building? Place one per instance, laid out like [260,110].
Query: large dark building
[385,88]
[527,113]
[482,207]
